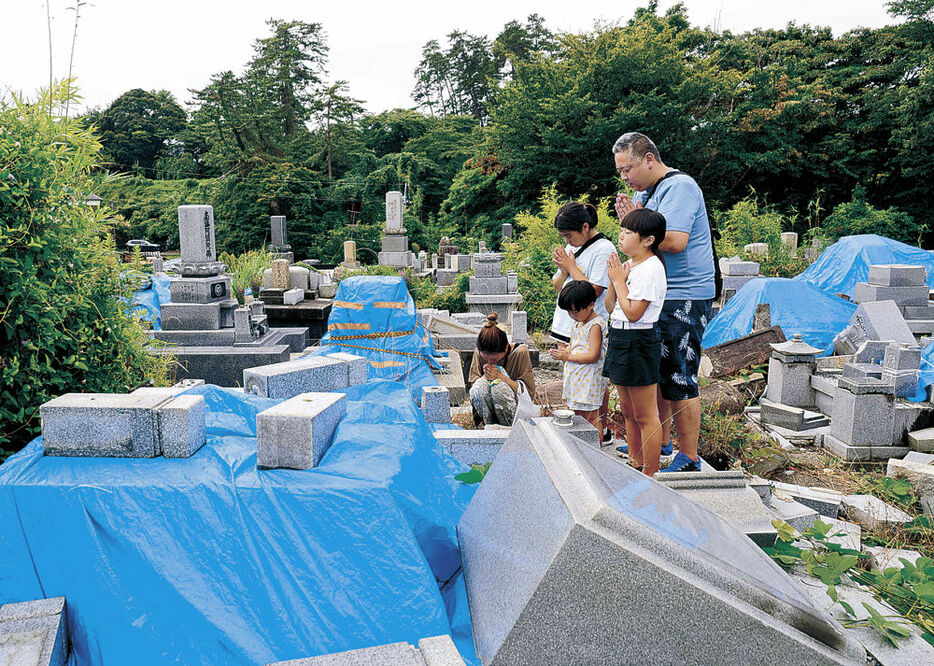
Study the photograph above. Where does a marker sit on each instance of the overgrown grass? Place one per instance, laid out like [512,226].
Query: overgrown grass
[246,270]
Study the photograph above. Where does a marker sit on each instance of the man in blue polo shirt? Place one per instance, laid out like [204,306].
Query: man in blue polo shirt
[689,263]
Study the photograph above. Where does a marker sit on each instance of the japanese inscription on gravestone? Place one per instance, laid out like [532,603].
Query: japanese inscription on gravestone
[394,210]
[208,237]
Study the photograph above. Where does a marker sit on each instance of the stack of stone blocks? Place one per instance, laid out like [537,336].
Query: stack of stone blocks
[735,274]
[34,633]
[454,264]
[146,423]
[395,243]
[490,290]
[285,284]
[576,518]
[907,287]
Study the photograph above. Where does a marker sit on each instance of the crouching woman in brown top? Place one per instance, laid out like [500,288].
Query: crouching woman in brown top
[496,370]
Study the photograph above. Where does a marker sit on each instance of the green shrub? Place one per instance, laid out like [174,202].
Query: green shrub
[859,217]
[748,222]
[246,270]
[63,325]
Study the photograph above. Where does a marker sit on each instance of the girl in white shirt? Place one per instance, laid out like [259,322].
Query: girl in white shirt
[634,298]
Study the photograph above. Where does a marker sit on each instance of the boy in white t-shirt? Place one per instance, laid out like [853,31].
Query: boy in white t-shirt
[634,298]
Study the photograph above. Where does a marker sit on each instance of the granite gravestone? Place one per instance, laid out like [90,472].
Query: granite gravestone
[571,556]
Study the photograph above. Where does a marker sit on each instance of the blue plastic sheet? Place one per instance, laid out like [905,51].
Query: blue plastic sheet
[847,262]
[147,303]
[206,560]
[374,317]
[798,307]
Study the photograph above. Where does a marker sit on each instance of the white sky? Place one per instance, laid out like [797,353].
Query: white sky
[178,44]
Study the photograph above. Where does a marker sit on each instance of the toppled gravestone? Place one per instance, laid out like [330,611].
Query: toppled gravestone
[434,651]
[571,556]
[296,433]
[34,633]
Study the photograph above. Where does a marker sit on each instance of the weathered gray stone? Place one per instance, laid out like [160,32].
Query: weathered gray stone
[34,633]
[903,384]
[902,296]
[506,230]
[278,236]
[861,419]
[871,351]
[436,404]
[472,447]
[862,371]
[826,502]
[191,316]
[874,321]
[452,378]
[298,277]
[158,265]
[556,519]
[580,428]
[757,248]
[327,290]
[735,268]
[196,235]
[394,210]
[101,424]
[243,325]
[434,651]
[395,243]
[303,375]
[296,433]
[847,451]
[460,263]
[786,509]
[445,276]
[871,512]
[920,458]
[775,413]
[357,367]
[789,383]
[181,426]
[918,312]
[735,282]
[400,259]
[518,324]
[488,265]
[897,275]
[901,357]
[883,558]
[502,304]
[922,440]
[863,385]
[790,241]
[921,475]
[493,285]
[512,282]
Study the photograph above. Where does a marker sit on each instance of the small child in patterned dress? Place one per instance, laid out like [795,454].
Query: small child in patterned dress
[584,383]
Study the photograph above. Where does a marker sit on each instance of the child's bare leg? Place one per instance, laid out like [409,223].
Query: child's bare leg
[593,418]
[633,436]
[645,413]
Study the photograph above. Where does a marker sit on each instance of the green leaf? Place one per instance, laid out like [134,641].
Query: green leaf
[848,608]
[785,531]
[924,591]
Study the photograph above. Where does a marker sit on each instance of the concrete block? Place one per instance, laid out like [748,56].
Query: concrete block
[181,426]
[298,277]
[436,404]
[395,243]
[847,451]
[735,268]
[920,474]
[200,290]
[296,433]
[786,509]
[357,367]
[512,282]
[862,370]
[922,440]
[289,379]
[864,292]
[519,325]
[871,512]
[884,558]
[399,259]
[434,651]
[555,519]
[488,265]
[871,351]
[472,447]
[34,633]
[293,296]
[826,502]
[109,425]
[445,276]
[191,316]
[492,285]
[897,275]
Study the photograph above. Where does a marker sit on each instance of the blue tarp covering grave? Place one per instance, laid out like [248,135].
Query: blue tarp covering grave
[798,307]
[374,317]
[208,561]
[847,262]
[147,303]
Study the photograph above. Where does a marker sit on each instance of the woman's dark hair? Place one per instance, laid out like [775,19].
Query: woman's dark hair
[647,222]
[492,339]
[577,295]
[574,215]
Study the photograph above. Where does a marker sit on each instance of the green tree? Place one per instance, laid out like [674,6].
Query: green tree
[63,323]
[138,127]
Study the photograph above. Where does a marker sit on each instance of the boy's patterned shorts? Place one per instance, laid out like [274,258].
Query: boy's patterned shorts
[682,325]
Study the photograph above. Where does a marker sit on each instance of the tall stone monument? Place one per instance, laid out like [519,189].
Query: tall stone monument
[395,244]
[212,337]
[279,239]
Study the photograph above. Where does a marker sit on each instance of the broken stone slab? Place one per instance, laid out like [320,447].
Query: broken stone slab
[472,447]
[897,275]
[826,502]
[436,404]
[289,379]
[792,418]
[843,533]
[34,633]
[911,651]
[441,325]
[555,519]
[296,433]
[727,495]
[918,457]
[847,451]
[884,558]
[434,651]
[730,357]
[181,426]
[293,296]
[862,370]
[871,512]
[873,321]
[921,475]
[870,351]
[783,507]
